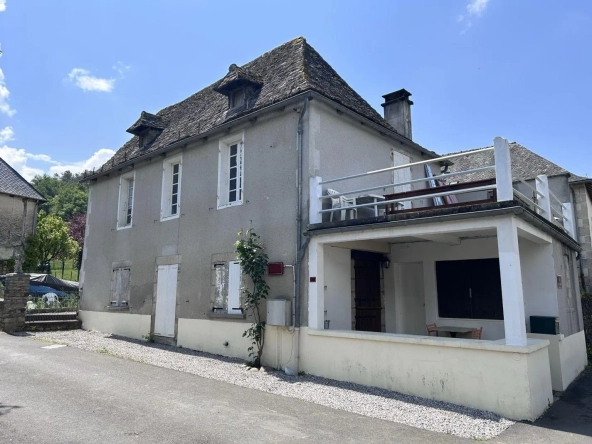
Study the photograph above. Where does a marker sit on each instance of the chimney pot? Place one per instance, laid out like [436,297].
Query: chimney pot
[397,111]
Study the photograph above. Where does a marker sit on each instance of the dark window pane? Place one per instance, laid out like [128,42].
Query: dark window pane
[232,161]
[175,168]
[174,199]
[233,150]
[232,196]
[233,173]
[175,188]
[232,184]
[173,209]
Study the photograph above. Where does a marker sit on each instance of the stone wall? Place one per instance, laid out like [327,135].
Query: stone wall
[17,222]
[584,223]
[12,311]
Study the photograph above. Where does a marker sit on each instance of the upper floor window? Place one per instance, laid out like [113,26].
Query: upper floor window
[237,97]
[230,172]
[171,188]
[126,200]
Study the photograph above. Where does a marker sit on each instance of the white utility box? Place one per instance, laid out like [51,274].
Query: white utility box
[279,312]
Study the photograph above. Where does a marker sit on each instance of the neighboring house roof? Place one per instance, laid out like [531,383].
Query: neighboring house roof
[283,72]
[14,184]
[526,165]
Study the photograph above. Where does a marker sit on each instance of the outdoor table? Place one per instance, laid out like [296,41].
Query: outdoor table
[452,330]
[370,198]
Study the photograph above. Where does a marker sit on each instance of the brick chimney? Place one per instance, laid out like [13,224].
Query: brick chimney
[397,111]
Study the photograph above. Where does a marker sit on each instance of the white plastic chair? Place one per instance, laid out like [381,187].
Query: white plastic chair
[342,202]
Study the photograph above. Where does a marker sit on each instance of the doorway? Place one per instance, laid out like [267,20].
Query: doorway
[367,289]
[166,300]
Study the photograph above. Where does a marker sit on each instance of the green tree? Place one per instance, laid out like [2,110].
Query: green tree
[50,241]
[249,251]
[66,197]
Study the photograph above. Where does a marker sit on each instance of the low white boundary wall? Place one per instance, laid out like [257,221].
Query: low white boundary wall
[124,324]
[209,336]
[567,357]
[512,381]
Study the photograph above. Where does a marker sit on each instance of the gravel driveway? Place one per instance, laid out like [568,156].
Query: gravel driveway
[423,413]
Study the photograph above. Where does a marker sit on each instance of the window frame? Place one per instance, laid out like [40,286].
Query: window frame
[237,93]
[123,200]
[224,168]
[167,188]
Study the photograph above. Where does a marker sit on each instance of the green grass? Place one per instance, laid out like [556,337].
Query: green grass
[69,273]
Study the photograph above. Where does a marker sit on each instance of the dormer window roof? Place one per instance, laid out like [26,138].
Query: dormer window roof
[237,78]
[146,121]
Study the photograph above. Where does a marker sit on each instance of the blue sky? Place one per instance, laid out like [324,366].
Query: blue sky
[75,74]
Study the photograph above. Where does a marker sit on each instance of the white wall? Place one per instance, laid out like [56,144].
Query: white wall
[410,315]
[567,357]
[125,324]
[430,252]
[538,280]
[338,287]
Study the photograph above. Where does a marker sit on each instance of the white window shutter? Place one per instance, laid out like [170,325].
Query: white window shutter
[234,281]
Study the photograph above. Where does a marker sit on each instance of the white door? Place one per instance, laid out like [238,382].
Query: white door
[166,300]
[234,280]
[402,175]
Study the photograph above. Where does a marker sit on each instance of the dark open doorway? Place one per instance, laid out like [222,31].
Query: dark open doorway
[368,300]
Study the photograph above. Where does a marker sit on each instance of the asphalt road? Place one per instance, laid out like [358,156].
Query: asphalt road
[67,395]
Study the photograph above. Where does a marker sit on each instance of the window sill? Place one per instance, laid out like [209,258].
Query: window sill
[163,219]
[226,315]
[124,228]
[117,309]
[234,204]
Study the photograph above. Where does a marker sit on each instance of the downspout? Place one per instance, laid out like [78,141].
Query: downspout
[300,246]
[577,233]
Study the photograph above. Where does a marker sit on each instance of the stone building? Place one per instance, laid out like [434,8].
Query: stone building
[19,202]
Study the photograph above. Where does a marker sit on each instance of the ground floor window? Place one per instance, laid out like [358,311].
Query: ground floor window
[470,289]
[120,287]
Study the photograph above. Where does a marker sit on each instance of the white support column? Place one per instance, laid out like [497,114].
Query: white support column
[503,169]
[544,199]
[568,223]
[315,204]
[316,285]
[511,276]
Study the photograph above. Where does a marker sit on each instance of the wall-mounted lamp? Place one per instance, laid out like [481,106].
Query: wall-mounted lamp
[385,261]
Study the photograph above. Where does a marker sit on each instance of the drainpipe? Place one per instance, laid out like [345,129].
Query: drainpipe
[577,234]
[300,246]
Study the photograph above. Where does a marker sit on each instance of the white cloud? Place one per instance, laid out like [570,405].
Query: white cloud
[121,68]
[475,9]
[82,78]
[4,93]
[94,161]
[6,134]
[2,5]
[18,158]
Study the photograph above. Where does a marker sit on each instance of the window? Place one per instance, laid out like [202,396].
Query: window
[469,289]
[230,172]
[237,97]
[171,189]
[227,277]
[120,287]
[126,200]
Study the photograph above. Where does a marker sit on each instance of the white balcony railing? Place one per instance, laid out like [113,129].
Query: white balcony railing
[544,202]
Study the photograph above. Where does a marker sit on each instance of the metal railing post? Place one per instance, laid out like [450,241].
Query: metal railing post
[568,222]
[503,169]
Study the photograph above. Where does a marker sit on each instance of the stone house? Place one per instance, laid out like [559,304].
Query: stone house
[18,212]
[370,262]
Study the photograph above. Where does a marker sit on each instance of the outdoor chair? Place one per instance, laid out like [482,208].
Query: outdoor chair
[342,202]
[476,333]
[430,329]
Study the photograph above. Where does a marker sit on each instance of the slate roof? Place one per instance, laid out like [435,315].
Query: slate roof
[14,184]
[526,165]
[285,71]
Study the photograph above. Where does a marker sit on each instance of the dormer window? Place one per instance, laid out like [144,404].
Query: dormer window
[241,87]
[148,127]
[142,140]
[237,98]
